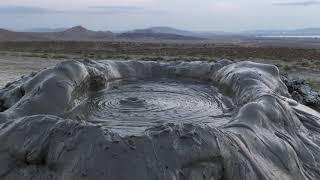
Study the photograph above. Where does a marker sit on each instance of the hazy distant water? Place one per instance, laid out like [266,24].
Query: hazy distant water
[293,37]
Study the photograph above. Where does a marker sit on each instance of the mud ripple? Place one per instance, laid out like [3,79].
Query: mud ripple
[137,105]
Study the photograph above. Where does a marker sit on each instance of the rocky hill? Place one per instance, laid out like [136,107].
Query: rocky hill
[77,33]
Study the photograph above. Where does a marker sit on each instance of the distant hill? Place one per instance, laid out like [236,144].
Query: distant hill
[170,30]
[6,35]
[77,33]
[157,35]
[166,30]
[44,30]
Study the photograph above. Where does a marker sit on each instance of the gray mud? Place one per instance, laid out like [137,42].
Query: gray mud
[124,120]
[132,106]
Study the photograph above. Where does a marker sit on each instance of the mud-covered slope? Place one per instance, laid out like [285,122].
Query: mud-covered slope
[256,132]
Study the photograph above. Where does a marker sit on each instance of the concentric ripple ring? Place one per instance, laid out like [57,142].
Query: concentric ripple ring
[134,105]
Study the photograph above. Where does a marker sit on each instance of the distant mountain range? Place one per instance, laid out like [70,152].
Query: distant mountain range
[161,33]
[208,35]
[79,33]
[170,30]
[44,30]
[297,32]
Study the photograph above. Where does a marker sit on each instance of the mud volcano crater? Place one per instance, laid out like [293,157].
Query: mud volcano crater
[132,106]
[141,120]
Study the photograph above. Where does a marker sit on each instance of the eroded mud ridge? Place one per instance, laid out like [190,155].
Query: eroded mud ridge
[155,120]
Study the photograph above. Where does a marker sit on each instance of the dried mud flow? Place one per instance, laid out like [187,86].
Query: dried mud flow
[136,120]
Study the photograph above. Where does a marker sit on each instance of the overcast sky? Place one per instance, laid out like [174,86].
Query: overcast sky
[202,15]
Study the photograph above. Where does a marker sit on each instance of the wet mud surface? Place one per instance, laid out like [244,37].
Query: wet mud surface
[132,106]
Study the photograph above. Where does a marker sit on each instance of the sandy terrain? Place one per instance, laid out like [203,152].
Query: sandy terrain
[12,67]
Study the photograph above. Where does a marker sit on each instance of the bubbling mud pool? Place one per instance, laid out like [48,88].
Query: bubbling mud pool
[131,106]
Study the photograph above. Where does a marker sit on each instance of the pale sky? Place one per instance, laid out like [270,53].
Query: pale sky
[201,15]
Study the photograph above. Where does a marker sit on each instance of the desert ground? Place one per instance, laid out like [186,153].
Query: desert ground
[21,58]
[14,66]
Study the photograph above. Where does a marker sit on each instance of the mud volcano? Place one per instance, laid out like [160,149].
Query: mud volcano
[124,120]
